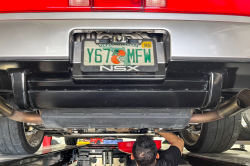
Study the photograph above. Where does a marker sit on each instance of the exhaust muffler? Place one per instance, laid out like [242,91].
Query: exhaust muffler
[236,104]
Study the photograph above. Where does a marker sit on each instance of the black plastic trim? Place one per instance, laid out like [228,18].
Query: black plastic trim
[214,92]
[19,89]
[116,98]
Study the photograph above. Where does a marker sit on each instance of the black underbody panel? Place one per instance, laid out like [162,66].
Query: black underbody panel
[50,84]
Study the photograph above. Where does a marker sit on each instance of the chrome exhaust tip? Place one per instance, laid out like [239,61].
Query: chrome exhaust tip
[238,103]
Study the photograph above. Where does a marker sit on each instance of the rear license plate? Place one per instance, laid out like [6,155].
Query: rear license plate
[119,57]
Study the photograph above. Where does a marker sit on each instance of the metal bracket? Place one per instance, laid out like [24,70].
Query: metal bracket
[19,89]
[214,93]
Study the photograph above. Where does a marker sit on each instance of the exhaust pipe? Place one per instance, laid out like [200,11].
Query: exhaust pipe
[6,110]
[238,103]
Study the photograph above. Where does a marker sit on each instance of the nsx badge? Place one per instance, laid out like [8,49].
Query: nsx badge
[119,68]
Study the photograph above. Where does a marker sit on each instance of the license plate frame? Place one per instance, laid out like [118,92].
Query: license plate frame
[121,68]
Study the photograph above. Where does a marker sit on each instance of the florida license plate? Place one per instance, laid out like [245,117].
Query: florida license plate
[119,57]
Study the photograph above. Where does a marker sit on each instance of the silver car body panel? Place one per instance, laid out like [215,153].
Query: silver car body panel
[194,37]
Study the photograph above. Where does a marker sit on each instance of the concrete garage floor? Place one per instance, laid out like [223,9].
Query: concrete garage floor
[42,150]
[231,156]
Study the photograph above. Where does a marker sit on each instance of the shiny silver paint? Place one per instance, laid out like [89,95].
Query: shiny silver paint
[77,52]
[45,36]
[122,16]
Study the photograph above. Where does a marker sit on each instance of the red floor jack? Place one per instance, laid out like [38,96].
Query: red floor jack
[47,141]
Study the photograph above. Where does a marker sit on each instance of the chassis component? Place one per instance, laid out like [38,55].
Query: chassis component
[123,118]
[117,118]
[130,135]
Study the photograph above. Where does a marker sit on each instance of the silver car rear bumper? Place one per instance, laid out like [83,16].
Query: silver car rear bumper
[45,36]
